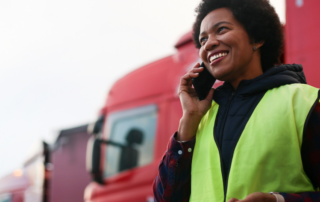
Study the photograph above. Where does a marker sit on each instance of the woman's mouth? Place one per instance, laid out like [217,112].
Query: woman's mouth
[217,57]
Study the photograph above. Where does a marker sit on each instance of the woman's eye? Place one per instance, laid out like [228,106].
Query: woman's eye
[221,29]
[203,40]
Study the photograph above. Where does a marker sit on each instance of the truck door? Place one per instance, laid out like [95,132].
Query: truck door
[129,169]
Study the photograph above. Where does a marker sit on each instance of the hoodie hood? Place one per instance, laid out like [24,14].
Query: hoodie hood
[273,78]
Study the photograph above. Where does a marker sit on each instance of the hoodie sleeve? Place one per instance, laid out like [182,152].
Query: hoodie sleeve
[310,153]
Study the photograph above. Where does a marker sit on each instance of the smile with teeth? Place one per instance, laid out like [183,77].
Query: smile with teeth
[216,56]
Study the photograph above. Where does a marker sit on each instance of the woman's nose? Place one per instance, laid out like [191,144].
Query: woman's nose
[211,43]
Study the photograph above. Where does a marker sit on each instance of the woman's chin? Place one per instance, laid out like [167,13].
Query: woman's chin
[221,73]
[221,76]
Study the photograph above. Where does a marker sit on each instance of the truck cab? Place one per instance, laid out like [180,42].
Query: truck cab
[141,113]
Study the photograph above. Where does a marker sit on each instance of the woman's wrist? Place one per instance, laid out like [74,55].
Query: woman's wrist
[188,127]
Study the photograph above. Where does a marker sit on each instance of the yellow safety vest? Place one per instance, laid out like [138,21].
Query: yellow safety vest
[267,156]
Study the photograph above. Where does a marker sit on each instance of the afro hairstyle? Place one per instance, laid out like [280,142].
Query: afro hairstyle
[258,18]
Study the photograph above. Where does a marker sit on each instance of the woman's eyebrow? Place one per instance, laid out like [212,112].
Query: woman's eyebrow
[215,26]
[222,22]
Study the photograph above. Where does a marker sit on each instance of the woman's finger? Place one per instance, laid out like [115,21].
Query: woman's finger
[210,95]
[233,200]
[197,70]
[193,73]
[196,65]
[186,79]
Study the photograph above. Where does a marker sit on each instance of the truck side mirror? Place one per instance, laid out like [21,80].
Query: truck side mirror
[93,159]
[96,127]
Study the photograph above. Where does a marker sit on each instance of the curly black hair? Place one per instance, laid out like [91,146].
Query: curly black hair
[258,18]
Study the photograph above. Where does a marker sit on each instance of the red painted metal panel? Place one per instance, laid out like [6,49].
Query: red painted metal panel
[302,39]
[157,78]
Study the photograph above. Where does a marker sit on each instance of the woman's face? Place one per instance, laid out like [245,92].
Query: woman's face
[226,49]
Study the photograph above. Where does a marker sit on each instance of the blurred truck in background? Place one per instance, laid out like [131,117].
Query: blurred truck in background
[29,183]
[53,173]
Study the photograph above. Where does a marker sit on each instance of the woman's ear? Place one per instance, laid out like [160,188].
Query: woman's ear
[257,45]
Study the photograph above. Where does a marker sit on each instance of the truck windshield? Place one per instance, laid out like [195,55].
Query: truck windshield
[134,130]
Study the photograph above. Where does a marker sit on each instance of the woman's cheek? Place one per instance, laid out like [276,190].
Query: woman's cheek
[203,57]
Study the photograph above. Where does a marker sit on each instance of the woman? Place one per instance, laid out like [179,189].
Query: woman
[256,133]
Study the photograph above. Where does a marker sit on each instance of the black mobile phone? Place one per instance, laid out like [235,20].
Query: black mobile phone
[203,83]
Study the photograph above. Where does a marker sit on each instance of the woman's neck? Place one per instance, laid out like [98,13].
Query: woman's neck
[253,70]
[252,75]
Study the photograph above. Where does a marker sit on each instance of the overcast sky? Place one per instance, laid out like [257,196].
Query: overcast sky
[58,60]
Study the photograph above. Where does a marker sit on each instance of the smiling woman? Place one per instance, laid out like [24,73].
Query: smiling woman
[228,146]
[235,58]
[258,19]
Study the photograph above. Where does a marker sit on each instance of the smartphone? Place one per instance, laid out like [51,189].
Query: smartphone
[203,83]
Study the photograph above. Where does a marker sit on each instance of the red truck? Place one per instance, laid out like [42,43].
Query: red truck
[142,111]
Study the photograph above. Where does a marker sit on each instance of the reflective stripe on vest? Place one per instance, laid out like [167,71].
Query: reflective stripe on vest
[267,156]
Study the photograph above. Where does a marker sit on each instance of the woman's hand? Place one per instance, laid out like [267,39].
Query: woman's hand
[256,197]
[193,109]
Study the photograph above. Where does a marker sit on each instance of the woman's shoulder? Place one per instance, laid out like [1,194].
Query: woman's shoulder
[297,94]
